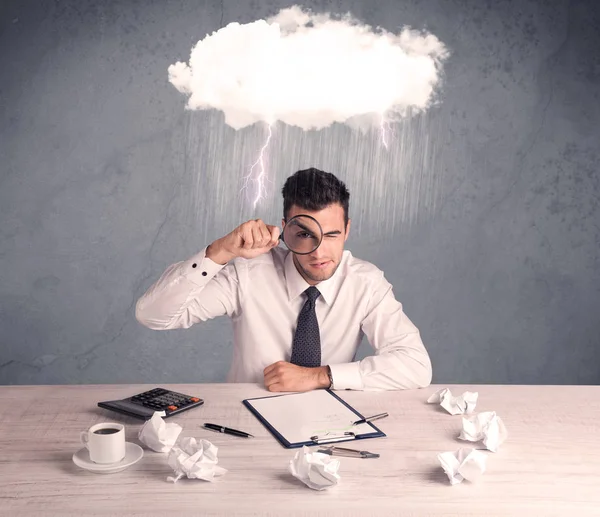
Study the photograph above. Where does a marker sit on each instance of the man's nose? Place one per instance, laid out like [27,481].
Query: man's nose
[319,252]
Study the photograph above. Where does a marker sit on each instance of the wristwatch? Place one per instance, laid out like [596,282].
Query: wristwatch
[330,377]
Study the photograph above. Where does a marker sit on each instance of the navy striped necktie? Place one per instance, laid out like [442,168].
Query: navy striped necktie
[306,349]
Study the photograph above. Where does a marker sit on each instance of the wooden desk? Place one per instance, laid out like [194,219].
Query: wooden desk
[550,464]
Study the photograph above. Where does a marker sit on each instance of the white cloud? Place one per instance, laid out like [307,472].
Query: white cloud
[310,70]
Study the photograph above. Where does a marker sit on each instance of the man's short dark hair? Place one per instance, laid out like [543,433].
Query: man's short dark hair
[313,189]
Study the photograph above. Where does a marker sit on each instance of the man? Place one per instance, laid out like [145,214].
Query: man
[298,319]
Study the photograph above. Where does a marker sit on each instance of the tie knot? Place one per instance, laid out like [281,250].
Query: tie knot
[312,293]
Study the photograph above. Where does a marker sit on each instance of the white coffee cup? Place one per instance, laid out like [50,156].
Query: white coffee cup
[106,442]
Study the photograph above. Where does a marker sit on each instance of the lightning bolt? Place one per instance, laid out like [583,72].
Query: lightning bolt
[383,131]
[261,175]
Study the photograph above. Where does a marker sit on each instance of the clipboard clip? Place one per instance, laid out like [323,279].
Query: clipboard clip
[327,438]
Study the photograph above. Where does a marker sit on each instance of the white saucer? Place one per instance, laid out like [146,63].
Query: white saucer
[133,454]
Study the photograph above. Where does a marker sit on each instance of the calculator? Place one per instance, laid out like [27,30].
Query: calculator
[143,405]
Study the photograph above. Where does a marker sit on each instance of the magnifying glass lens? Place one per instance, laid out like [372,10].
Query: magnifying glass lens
[302,234]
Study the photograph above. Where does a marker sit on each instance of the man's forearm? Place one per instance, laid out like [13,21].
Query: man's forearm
[159,306]
[391,370]
[397,370]
[185,294]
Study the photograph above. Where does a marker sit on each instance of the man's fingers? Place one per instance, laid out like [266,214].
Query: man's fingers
[269,369]
[257,233]
[260,233]
[276,387]
[274,366]
[274,233]
[265,235]
[247,238]
[271,378]
[274,375]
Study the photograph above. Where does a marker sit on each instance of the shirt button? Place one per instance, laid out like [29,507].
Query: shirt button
[194,265]
[204,273]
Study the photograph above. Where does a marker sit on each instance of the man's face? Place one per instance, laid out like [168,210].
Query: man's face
[322,263]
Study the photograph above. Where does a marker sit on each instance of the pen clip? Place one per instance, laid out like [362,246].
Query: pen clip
[332,438]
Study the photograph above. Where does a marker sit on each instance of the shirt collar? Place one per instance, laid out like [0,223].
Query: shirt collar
[296,284]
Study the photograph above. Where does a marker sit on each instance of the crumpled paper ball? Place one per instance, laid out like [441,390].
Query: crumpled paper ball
[159,435]
[465,463]
[486,427]
[196,459]
[459,405]
[315,469]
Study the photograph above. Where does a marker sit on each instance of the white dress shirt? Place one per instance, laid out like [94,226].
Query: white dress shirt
[263,297]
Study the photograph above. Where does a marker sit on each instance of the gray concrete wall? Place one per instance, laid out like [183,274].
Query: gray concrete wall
[100,189]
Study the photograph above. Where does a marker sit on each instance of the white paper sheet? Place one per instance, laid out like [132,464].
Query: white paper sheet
[299,416]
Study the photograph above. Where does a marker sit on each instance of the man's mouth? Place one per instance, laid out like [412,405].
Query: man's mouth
[320,265]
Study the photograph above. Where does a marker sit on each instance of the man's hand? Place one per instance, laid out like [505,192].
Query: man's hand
[283,376]
[248,240]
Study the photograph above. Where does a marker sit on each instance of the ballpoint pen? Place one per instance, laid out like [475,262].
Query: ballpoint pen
[370,418]
[349,453]
[326,438]
[227,430]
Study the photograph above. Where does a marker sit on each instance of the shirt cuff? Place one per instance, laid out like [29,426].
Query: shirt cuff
[346,376]
[199,269]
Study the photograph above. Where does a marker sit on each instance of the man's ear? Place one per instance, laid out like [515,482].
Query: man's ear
[347,230]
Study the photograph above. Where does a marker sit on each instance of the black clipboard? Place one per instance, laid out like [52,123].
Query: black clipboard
[376,433]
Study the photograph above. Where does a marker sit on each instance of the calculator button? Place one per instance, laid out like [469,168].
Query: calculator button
[195,399]
[172,408]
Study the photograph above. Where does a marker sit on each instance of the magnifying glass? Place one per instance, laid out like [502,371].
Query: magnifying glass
[302,234]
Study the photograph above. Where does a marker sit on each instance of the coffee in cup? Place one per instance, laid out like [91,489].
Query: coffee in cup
[106,430]
[105,442]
